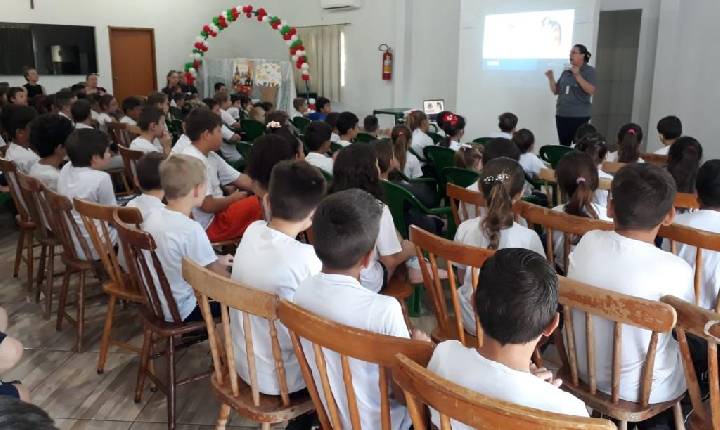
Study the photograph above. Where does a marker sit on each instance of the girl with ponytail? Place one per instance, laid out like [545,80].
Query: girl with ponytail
[629,140]
[409,163]
[419,125]
[454,127]
[684,159]
[501,182]
[594,145]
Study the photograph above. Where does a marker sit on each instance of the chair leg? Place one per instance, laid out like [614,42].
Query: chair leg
[679,416]
[30,259]
[18,253]
[80,320]
[40,273]
[107,330]
[144,359]
[223,417]
[266,426]
[171,382]
[49,281]
[623,425]
[63,299]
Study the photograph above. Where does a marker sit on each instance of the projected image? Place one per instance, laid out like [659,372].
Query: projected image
[512,39]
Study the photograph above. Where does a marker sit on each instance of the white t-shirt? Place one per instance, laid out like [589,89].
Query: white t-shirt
[608,260]
[413,167]
[143,145]
[467,367]
[321,161]
[342,299]
[82,126]
[708,220]
[502,134]
[24,158]
[420,140]
[182,143]
[387,244]
[600,197]
[46,174]
[176,237]
[532,164]
[147,204]
[227,118]
[88,184]
[470,233]
[270,261]
[129,121]
[335,138]
[559,237]
[103,120]
[234,113]
[344,143]
[663,151]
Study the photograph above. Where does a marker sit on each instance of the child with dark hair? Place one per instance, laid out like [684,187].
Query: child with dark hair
[17,96]
[236,109]
[629,140]
[270,258]
[516,302]
[347,126]
[684,159]
[419,124]
[469,157]
[345,227]
[160,101]
[407,161]
[223,100]
[219,86]
[228,149]
[153,138]
[454,127]
[147,178]
[669,130]
[107,109]
[495,148]
[507,122]
[322,108]
[594,145]
[81,111]
[583,131]
[531,163]
[18,119]
[131,107]
[501,183]
[642,201]
[300,107]
[317,141]
[331,119]
[48,134]
[63,103]
[356,166]
[371,125]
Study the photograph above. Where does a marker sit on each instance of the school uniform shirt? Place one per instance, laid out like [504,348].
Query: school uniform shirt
[608,260]
[455,145]
[63,114]
[228,149]
[143,145]
[470,233]
[600,197]
[271,261]
[103,120]
[234,113]
[387,244]
[467,367]
[420,140]
[147,205]
[129,121]
[321,161]
[611,157]
[663,151]
[182,143]
[342,299]
[176,237]
[24,158]
[413,167]
[708,220]
[344,143]
[532,164]
[226,172]
[334,137]
[227,118]
[88,184]
[82,126]
[502,134]
[559,237]
[46,174]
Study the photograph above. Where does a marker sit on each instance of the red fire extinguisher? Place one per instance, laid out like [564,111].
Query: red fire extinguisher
[387,62]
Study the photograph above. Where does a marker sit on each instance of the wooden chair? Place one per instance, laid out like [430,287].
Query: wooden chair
[97,220]
[465,204]
[620,309]
[130,158]
[68,231]
[139,250]
[119,134]
[448,326]
[686,201]
[232,391]
[27,226]
[612,167]
[656,159]
[703,324]
[422,387]
[347,342]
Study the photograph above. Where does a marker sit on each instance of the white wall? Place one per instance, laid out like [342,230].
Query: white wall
[482,95]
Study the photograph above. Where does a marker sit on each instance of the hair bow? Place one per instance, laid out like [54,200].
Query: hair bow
[274,124]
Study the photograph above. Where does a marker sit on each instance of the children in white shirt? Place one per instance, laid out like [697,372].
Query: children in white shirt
[317,141]
[669,130]
[270,258]
[147,175]
[154,138]
[48,134]
[594,145]
[618,260]
[454,127]
[419,125]
[347,126]
[18,151]
[531,163]
[408,162]
[229,138]
[507,123]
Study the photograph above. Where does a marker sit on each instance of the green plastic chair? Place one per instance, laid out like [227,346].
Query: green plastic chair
[364,138]
[252,129]
[482,140]
[244,149]
[328,177]
[459,176]
[435,137]
[553,153]
[398,199]
[335,147]
[301,123]
[440,158]
[419,157]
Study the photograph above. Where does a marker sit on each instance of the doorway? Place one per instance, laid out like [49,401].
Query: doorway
[132,54]
[617,56]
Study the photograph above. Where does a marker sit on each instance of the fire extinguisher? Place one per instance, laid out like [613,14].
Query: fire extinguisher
[387,62]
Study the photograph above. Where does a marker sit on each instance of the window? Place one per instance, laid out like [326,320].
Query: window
[343,58]
[325,51]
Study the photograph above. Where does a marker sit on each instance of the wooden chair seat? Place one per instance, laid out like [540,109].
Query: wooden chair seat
[398,286]
[440,335]
[123,292]
[696,422]
[166,329]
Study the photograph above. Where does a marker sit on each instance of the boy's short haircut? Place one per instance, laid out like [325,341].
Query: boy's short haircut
[299,102]
[179,174]
[346,122]
[266,152]
[707,184]
[296,189]
[385,153]
[47,132]
[235,97]
[507,122]
[177,97]
[210,103]
[218,85]
[517,296]
[131,103]
[670,127]
[83,144]
[332,119]
[642,195]
[320,103]
[80,110]
[245,100]
[316,134]
[19,118]
[370,123]
[267,106]
[156,98]
[63,99]
[14,91]
[500,147]
[147,171]
[345,228]
[150,114]
[524,139]
[200,120]
[221,97]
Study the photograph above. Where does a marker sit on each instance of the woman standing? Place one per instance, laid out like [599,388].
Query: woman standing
[574,90]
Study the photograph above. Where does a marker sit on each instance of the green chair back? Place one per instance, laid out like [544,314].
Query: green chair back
[553,153]
[365,137]
[482,140]
[244,149]
[328,177]
[399,199]
[335,147]
[252,129]
[440,158]
[459,176]
[301,123]
[436,138]
[419,157]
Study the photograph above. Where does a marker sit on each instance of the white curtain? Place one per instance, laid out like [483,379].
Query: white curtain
[322,47]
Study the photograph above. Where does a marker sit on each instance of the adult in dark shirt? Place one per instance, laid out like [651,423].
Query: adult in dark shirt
[173,83]
[32,87]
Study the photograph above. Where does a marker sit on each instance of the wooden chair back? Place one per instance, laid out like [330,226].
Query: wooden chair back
[656,159]
[119,134]
[452,401]
[66,228]
[554,221]
[130,158]
[686,201]
[451,326]
[620,310]
[612,167]
[462,200]
[347,342]
[32,193]
[702,241]
[704,324]
[10,171]
[145,268]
